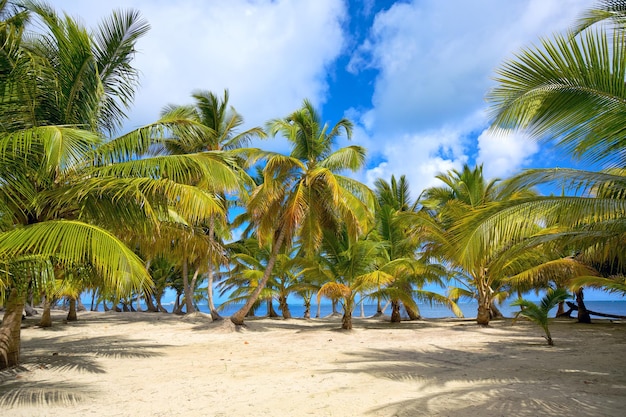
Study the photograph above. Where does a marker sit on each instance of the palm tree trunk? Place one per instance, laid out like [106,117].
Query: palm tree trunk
[10,330]
[385,307]
[149,302]
[395,312]
[413,314]
[548,336]
[192,286]
[71,314]
[346,320]
[46,317]
[187,288]
[307,308]
[484,303]
[238,317]
[211,276]
[284,307]
[583,314]
[494,311]
[270,309]
[159,306]
[93,301]
[178,306]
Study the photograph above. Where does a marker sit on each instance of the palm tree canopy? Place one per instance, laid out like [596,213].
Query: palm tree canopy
[569,90]
[86,79]
[304,193]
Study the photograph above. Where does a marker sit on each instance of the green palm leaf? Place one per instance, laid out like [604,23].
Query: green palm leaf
[73,242]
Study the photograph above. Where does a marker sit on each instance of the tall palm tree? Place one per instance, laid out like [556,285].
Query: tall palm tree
[402,261]
[221,123]
[303,194]
[464,193]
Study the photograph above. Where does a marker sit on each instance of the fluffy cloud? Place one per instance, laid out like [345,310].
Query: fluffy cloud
[505,153]
[269,54]
[435,61]
[420,157]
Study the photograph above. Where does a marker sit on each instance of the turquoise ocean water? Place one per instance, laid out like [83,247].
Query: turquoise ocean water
[435,311]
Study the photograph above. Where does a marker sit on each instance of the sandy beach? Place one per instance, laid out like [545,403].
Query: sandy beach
[145,364]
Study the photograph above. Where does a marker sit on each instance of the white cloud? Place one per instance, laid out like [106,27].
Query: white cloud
[435,61]
[420,157]
[269,54]
[504,154]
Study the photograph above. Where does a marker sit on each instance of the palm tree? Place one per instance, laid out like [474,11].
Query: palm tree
[571,91]
[348,269]
[465,192]
[304,193]
[396,216]
[62,187]
[538,314]
[221,123]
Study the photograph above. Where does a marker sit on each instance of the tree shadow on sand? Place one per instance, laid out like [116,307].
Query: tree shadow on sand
[74,354]
[18,393]
[489,382]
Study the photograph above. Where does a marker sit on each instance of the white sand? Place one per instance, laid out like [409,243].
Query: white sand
[143,364]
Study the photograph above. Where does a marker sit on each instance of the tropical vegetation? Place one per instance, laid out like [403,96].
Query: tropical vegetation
[130,216]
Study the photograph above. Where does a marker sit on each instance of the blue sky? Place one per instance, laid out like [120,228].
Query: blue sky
[412,75]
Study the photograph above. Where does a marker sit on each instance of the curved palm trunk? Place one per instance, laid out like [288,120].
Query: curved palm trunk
[239,316]
[413,314]
[10,330]
[270,309]
[494,311]
[46,316]
[395,312]
[149,302]
[71,314]
[548,336]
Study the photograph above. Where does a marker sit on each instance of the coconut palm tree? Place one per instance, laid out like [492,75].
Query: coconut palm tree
[571,92]
[249,260]
[538,314]
[304,193]
[407,273]
[348,269]
[463,193]
[221,122]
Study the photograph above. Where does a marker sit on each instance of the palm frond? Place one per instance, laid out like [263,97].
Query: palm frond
[75,242]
